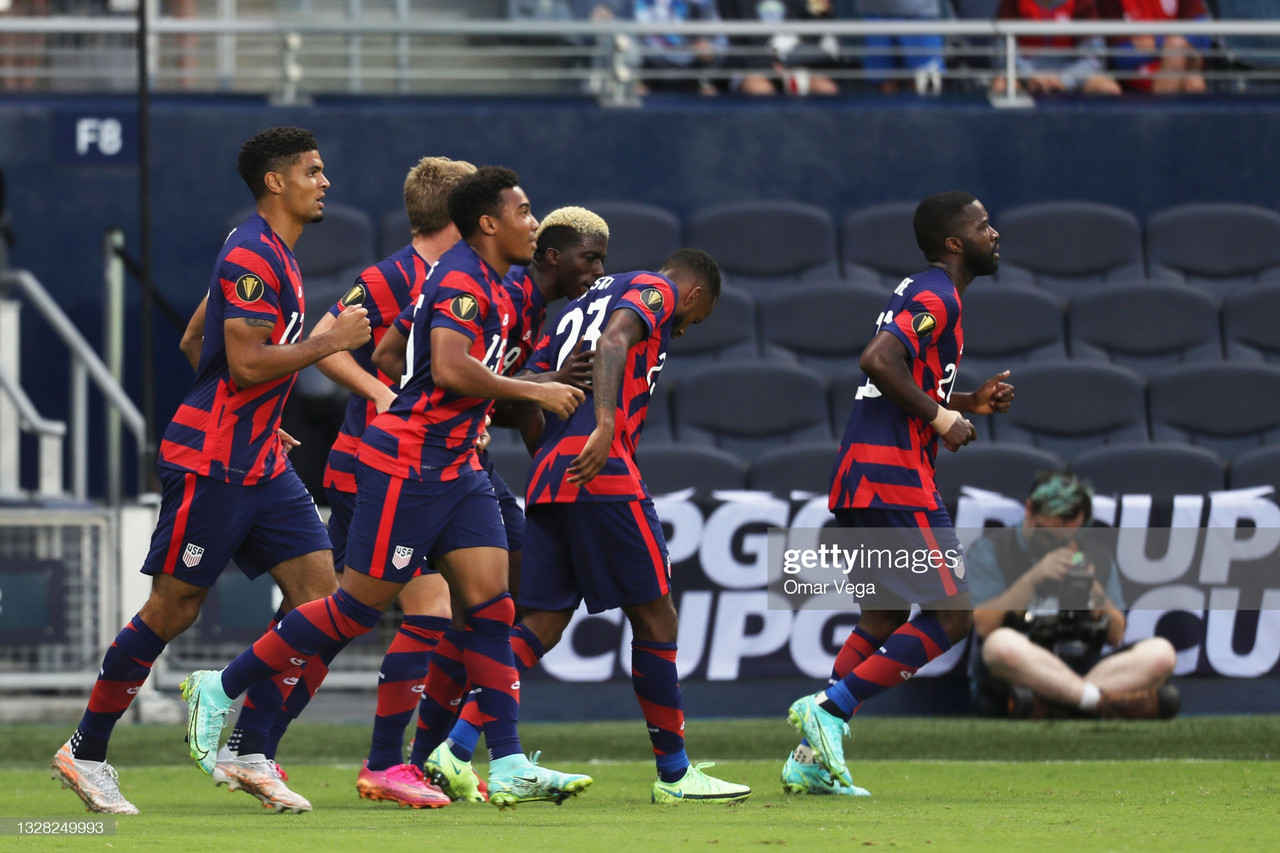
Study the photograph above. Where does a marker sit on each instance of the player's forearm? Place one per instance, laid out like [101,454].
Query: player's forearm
[893,379]
[267,362]
[467,377]
[190,346]
[342,369]
[606,375]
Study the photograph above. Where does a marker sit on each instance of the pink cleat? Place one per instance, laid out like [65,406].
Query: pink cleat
[403,784]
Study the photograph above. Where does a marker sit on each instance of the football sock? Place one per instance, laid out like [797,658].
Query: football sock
[857,647]
[446,687]
[657,686]
[528,650]
[400,685]
[1089,698]
[263,703]
[309,681]
[492,671]
[125,667]
[910,647]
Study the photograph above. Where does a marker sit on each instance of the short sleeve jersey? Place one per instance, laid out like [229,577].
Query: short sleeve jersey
[429,434]
[886,456]
[530,311]
[221,430]
[653,298]
[384,289]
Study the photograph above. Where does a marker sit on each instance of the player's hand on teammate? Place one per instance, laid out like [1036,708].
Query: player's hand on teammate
[483,439]
[351,329]
[576,370]
[590,461]
[994,396]
[287,440]
[559,399]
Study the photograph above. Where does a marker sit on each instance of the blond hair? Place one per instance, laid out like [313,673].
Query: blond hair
[579,220]
[426,192]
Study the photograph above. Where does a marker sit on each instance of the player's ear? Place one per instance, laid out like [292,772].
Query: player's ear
[488,224]
[695,293]
[274,182]
[954,245]
[552,255]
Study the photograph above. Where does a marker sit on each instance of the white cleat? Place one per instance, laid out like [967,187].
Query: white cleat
[258,775]
[94,781]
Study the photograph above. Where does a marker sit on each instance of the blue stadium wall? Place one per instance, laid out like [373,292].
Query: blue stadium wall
[680,154]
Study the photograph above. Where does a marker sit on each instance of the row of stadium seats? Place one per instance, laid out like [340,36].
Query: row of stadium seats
[1063,247]
[1160,469]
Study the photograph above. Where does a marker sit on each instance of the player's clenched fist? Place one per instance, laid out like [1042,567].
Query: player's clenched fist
[558,399]
[351,329]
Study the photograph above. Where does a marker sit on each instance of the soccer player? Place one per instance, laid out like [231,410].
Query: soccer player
[229,490]
[591,529]
[883,478]
[421,494]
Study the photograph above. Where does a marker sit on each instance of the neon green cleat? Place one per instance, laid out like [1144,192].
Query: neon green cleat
[825,733]
[696,786]
[526,782]
[452,775]
[802,775]
[207,709]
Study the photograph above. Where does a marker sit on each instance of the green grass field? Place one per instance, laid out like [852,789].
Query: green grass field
[1206,783]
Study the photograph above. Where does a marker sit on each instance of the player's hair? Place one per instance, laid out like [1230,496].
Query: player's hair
[426,192]
[938,217]
[564,226]
[272,150]
[1060,495]
[699,266]
[479,194]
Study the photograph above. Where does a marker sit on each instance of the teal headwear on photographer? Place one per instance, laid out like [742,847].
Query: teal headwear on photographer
[1061,495]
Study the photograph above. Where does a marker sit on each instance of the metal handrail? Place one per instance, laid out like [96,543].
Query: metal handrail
[85,365]
[50,432]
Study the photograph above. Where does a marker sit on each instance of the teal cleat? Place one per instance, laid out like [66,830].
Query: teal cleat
[207,709]
[525,782]
[696,786]
[825,733]
[453,776]
[802,775]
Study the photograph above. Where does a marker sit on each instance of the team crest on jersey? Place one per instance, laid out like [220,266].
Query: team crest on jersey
[192,555]
[354,296]
[923,324]
[652,299]
[403,554]
[464,308]
[249,288]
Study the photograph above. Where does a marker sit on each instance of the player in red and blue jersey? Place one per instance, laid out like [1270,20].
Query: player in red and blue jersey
[883,481]
[422,494]
[229,490]
[591,529]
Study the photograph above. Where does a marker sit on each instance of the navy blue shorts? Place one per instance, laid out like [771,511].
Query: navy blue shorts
[342,506]
[612,554]
[512,514]
[910,534]
[206,523]
[400,524]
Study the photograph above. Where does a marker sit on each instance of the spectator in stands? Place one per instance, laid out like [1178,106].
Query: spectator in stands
[1163,65]
[22,51]
[1046,601]
[668,53]
[921,54]
[1050,64]
[783,62]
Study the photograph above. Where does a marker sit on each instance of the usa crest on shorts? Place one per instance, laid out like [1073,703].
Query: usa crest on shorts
[192,555]
[403,554]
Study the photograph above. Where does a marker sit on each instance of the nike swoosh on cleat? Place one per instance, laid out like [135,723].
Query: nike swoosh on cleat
[191,718]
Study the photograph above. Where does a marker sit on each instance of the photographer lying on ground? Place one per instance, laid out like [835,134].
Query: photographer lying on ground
[1046,600]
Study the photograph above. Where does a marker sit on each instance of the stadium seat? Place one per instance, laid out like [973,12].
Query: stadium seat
[1005,468]
[1145,325]
[1160,468]
[1228,407]
[672,467]
[797,467]
[1258,467]
[1218,248]
[1005,327]
[511,461]
[878,244]
[729,334]
[762,245]
[824,325]
[1249,323]
[640,235]
[394,234]
[1070,407]
[750,408]
[1070,245]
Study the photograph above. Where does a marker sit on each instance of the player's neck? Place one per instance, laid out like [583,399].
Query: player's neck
[544,280]
[489,253]
[432,246]
[288,228]
[959,276]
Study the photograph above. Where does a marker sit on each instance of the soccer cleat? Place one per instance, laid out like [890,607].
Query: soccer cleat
[207,709]
[697,786]
[529,783]
[260,776]
[454,776]
[403,784]
[825,733]
[802,775]
[94,781]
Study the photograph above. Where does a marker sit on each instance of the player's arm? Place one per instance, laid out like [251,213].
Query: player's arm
[389,355]
[624,330]
[994,396]
[887,363]
[193,335]
[252,359]
[455,370]
[342,369]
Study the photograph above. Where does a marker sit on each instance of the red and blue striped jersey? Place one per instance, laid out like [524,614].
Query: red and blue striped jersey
[531,310]
[429,433]
[384,289]
[653,298]
[886,456]
[221,430]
